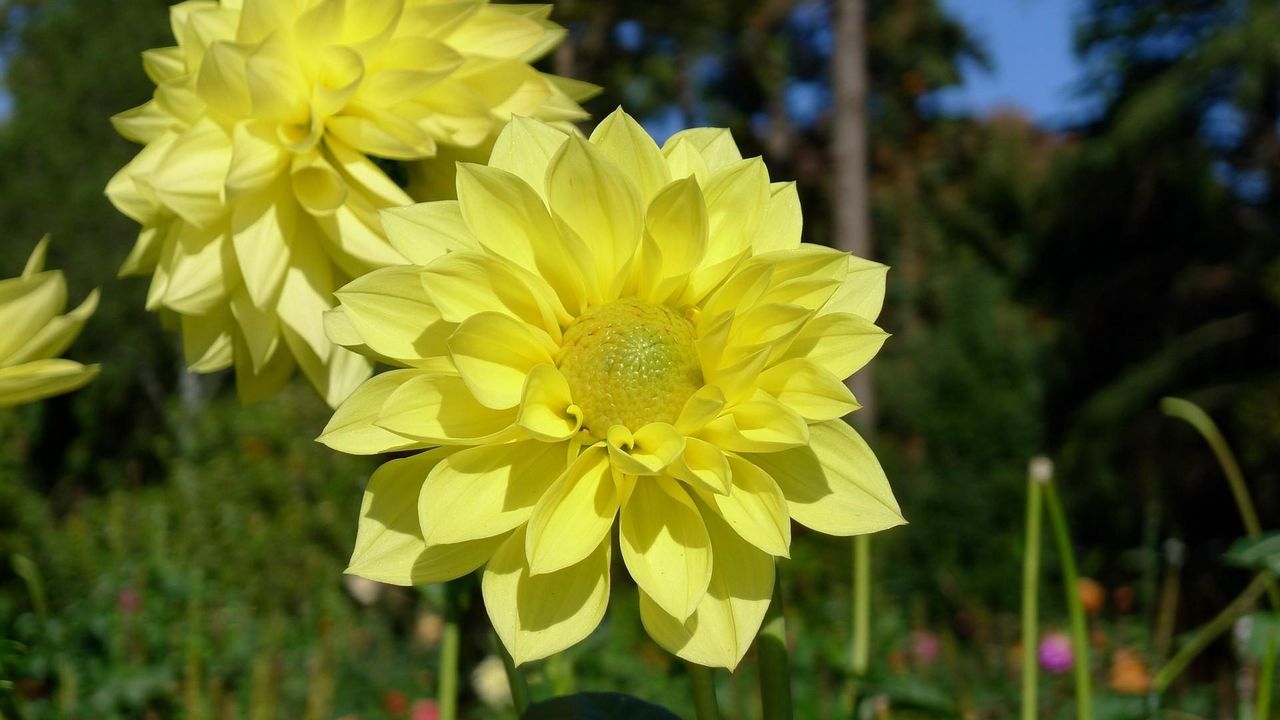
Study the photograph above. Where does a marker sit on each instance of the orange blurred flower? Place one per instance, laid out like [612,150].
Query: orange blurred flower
[1129,674]
[1092,595]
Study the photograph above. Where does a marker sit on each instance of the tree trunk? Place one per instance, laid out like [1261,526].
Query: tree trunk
[851,221]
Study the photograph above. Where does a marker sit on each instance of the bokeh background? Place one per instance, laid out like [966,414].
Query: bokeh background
[1079,198]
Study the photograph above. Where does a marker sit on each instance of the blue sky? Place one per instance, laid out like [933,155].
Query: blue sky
[1034,70]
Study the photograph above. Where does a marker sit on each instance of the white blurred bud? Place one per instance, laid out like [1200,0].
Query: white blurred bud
[364,590]
[489,681]
[1041,469]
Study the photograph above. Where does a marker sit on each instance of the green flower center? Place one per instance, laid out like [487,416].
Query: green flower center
[630,363]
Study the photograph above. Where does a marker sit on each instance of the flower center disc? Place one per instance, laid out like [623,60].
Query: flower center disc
[630,363]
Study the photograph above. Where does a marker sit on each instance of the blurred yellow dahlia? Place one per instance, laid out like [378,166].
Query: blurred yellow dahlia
[35,333]
[604,330]
[255,190]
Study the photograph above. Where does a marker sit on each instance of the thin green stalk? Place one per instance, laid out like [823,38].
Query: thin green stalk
[1071,579]
[1037,476]
[1200,420]
[775,665]
[447,690]
[1208,633]
[1267,680]
[703,683]
[860,654]
[516,680]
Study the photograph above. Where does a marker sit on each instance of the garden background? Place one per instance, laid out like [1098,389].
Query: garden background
[166,552]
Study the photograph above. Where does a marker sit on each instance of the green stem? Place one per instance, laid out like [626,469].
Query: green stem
[704,691]
[516,680]
[1200,420]
[775,665]
[1267,680]
[1070,578]
[1208,633]
[860,654]
[447,691]
[1030,586]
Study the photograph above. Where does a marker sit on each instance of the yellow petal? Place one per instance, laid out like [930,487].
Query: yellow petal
[524,148]
[538,615]
[646,452]
[547,411]
[754,507]
[736,198]
[621,139]
[665,545]
[703,406]
[703,466]
[835,485]
[437,408]
[508,218]
[55,336]
[815,394]
[307,292]
[221,81]
[598,203]
[760,424]
[190,177]
[257,159]
[840,343]
[255,383]
[574,515]
[714,145]
[316,184]
[353,428]
[198,265]
[259,328]
[41,379]
[462,284]
[723,627]
[260,227]
[677,223]
[207,342]
[425,231]
[496,31]
[494,354]
[26,305]
[392,314]
[389,546]
[782,223]
[862,292]
[488,490]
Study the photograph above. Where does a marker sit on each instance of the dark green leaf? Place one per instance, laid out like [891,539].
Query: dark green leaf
[1262,553]
[597,706]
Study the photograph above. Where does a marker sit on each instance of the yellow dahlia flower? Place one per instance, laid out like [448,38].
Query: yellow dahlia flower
[255,190]
[600,333]
[35,333]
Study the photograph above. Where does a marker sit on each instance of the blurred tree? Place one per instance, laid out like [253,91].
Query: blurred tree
[1158,257]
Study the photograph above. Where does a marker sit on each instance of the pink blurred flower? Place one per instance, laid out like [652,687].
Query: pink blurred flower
[425,710]
[129,602]
[924,647]
[1055,653]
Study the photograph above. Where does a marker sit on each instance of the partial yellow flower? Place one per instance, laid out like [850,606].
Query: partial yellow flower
[602,333]
[255,189]
[36,331]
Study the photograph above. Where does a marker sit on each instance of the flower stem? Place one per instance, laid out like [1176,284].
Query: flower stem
[1208,633]
[1267,679]
[860,653]
[704,691]
[447,690]
[1208,429]
[1030,586]
[775,665]
[516,680]
[1071,579]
